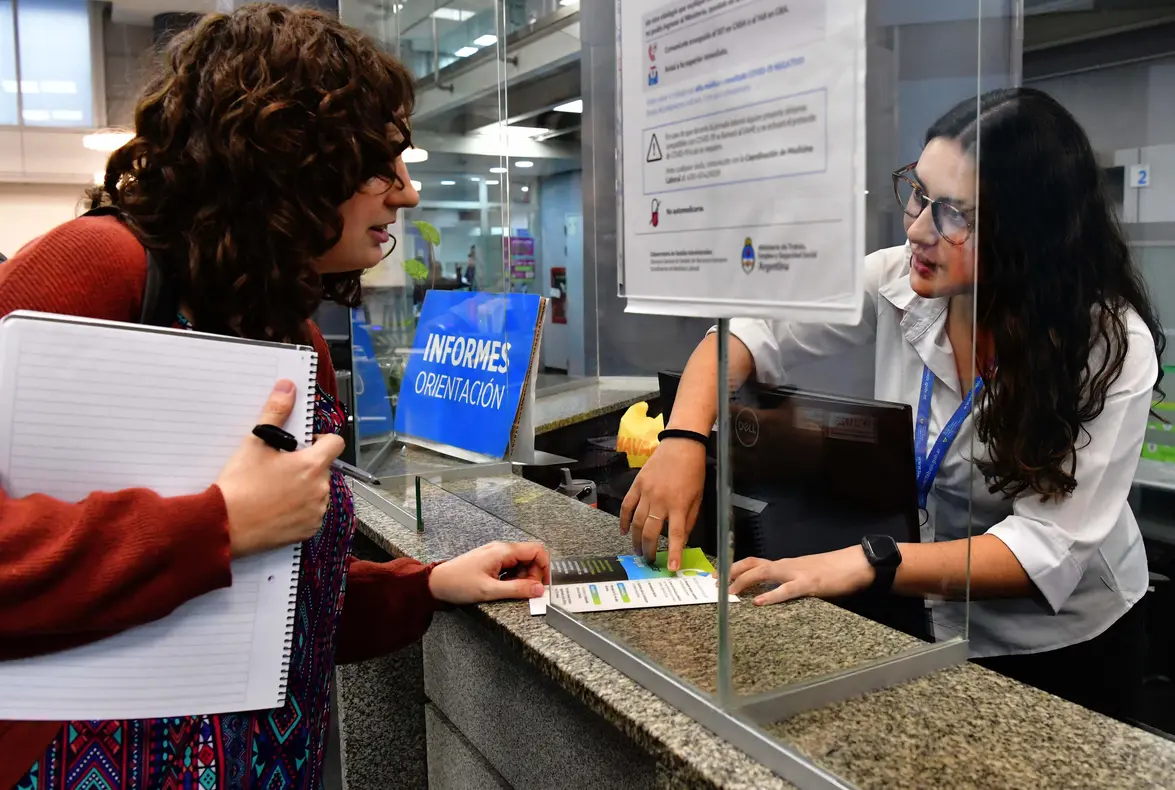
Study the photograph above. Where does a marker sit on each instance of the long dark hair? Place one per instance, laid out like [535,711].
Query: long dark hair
[257,126]
[1055,278]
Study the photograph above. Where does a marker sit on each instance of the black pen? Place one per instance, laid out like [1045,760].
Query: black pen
[282,440]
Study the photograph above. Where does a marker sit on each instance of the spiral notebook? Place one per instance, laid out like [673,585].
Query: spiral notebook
[98,406]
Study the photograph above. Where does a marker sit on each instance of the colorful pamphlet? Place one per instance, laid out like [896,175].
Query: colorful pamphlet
[600,584]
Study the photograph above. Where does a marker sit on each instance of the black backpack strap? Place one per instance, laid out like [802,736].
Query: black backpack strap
[160,305]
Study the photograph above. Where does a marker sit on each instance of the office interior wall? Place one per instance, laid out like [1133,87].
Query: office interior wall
[626,344]
[1125,106]
[1128,113]
[127,50]
[55,156]
[29,210]
[560,199]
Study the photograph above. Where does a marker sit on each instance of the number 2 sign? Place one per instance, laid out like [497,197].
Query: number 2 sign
[1139,176]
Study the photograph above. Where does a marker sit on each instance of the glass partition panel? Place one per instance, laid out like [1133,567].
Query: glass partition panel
[1113,69]
[451,243]
[813,472]
[824,462]
[434,523]
[596,577]
[540,186]
[566,526]
[824,458]
[842,491]
[818,439]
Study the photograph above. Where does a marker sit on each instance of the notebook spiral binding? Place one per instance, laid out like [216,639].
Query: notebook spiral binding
[292,601]
[311,389]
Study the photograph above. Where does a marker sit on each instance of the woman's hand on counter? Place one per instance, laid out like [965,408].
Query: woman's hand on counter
[476,576]
[827,575]
[668,489]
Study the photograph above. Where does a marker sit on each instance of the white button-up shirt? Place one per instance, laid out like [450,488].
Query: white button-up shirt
[1084,552]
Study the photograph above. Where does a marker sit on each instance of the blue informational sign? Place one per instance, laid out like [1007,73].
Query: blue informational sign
[373,407]
[464,382]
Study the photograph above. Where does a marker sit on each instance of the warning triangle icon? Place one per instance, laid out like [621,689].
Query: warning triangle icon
[654,154]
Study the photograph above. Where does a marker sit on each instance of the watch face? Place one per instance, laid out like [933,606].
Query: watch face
[882,550]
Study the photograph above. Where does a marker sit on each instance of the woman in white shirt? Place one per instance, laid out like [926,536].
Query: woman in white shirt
[1066,348]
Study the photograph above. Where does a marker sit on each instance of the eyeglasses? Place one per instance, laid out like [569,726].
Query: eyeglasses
[953,224]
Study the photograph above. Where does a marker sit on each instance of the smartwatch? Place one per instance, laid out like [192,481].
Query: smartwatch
[883,554]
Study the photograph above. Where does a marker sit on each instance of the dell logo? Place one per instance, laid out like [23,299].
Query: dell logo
[746,428]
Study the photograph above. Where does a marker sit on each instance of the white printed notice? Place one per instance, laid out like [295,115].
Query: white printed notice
[743,129]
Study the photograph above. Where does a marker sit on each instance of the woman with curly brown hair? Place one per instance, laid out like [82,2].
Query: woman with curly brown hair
[263,174]
[1029,307]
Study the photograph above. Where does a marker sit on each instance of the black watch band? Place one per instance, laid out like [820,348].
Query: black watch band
[674,433]
[883,554]
[882,579]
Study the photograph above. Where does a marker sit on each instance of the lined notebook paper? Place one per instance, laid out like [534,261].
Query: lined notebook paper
[95,406]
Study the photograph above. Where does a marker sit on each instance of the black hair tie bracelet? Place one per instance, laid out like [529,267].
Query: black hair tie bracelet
[674,433]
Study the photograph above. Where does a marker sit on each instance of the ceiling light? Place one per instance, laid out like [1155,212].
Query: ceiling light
[413,156]
[448,183]
[58,86]
[453,14]
[416,185]
[526,189]
[107,141]
[488,40]
[523,163]
[568,2]
[497,170]
[571,106]
[492,182]
[474,178]
[465,52]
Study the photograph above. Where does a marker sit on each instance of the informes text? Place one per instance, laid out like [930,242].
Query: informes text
[468,352]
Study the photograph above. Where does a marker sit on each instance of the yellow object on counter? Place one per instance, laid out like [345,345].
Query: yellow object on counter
[638,434]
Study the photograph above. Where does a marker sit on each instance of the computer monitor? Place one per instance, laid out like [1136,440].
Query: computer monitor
[815,472]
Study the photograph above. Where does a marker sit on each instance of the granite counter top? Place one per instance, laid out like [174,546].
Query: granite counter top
[598,396]
[962,727]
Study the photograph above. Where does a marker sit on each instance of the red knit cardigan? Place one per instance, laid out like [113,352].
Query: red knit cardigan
[76,573]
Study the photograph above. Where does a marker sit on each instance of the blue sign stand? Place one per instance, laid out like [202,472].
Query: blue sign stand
[373,407]
[465,381]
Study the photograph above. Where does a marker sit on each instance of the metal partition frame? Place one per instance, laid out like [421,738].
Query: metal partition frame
[738,725]
[731,717]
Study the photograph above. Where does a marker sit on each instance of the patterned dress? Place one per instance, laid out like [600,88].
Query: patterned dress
[280,748]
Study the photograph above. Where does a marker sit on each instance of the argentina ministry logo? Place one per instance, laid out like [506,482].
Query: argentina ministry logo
[748,256]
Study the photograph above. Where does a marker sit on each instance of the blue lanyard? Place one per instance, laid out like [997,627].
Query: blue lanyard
[926,465]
